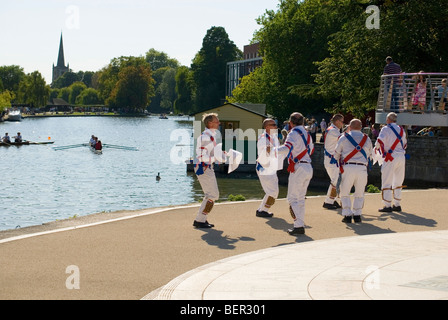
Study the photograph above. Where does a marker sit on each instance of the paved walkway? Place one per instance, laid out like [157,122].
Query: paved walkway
[393,266]
[157,254]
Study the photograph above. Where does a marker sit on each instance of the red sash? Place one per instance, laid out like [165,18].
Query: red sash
[353,153]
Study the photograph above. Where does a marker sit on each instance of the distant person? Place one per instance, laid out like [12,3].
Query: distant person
[353,151]
[442,92]
[92,141]
[419,100]
[323,126]
[6,138]
[391,84]
[98,145]
[18,138]
[392,144]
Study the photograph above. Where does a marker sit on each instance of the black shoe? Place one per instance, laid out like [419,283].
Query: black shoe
[357,219]
[337,205]
[329,206]
[264,214]
[347,219]
[397,209]
[296,231]
[385,209]
[202,225]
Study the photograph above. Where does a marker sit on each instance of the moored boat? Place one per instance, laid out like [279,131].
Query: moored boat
[14,115]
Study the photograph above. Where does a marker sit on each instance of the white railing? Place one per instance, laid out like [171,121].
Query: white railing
[414,93]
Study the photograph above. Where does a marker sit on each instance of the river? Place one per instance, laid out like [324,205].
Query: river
[39,184]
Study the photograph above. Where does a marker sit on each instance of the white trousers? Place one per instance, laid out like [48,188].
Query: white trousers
[353,175]
[392,178]
[269,183]
[209,186]
[297,187]
[333,173]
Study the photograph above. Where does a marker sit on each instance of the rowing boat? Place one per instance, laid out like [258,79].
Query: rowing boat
[96,151]
[24,143]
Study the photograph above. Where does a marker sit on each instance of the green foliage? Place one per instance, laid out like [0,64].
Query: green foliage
[5,100]
[319,54]
[184,101]
[209,67]
[373,189]
[127,83]
[88,96]
[237,197]
[33,90]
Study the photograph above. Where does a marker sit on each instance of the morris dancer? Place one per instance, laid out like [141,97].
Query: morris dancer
[392,144]
[268,163]
[331,137]
[205,152]
[353,151]
[298,148]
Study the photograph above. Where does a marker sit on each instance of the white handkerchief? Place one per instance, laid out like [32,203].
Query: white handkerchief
[235,158]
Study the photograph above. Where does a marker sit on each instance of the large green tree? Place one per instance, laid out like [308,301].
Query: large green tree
[184,83]
[209,67]
[33,90]
[127,83]
[11,76]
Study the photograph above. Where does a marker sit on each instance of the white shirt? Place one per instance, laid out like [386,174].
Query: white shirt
[271,162]
[295,144]
[344,147]
[387,137]
[205,147]
[331,138]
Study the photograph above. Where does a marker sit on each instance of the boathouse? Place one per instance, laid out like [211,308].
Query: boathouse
[240,127]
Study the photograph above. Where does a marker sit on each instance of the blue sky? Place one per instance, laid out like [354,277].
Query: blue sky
[95,31]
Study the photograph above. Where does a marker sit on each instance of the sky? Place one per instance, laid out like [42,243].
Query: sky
[96,31]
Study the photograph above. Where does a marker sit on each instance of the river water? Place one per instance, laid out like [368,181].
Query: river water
[39,184]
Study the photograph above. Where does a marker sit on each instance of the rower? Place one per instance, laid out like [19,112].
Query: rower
[18,138]
[92,141]
[6,138]
[98,145]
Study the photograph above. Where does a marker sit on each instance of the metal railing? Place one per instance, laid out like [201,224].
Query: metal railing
[413,92]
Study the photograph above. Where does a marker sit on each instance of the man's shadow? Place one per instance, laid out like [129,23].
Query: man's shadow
[216,238]
[283,225]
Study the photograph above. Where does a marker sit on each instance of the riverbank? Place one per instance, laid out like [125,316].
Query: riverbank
[128,254]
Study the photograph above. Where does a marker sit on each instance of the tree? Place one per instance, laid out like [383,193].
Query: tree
[5,100]
[184,101]
[158,59]
[209,67]
[88,96]
[33,90]
[168,89]
[133,89]
[11,76]
[118,88]
[415,33]
[75,90]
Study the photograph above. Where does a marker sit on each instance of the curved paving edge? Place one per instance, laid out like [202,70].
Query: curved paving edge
[409,265]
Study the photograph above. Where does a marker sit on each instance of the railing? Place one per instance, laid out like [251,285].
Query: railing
[413,93]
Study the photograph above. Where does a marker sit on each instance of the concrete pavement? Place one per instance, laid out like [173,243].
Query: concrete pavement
[157,254]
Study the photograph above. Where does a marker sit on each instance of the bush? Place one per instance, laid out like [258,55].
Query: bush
[372,189]
[237,197]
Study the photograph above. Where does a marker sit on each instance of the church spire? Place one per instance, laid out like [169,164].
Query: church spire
[61,59]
